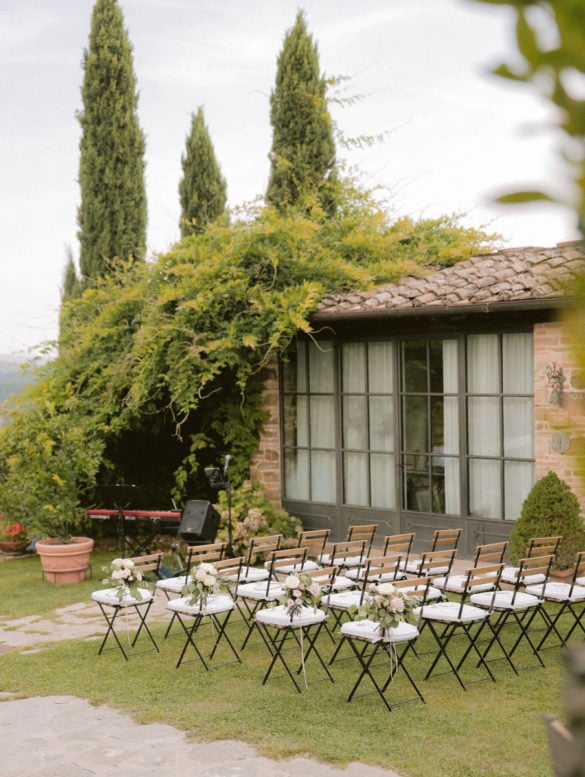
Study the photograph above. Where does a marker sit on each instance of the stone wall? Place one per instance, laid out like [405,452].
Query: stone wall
[265,465]
[559,428]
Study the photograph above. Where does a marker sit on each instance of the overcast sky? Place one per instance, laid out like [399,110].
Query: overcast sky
[457,133]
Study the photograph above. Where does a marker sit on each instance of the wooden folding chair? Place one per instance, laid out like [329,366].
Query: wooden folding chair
[368,641]
[569,598]
[443,539]
[111,606]
[537,546]
[314,540]
[280,631]
[217,611]
[492,553]
[448,619]
[259,549]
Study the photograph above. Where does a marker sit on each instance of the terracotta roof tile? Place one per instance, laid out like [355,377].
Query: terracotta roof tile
[505,276]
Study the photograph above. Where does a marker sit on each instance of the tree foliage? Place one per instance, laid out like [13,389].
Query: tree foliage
[112,212]
[202,189]
[303,150]
[163,361]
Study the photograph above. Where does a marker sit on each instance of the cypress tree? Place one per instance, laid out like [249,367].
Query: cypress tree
[303,150]
[202,190]
[70,280]
[112,213]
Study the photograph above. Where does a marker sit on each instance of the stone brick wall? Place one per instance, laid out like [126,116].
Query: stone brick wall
[562,423]
[265,465]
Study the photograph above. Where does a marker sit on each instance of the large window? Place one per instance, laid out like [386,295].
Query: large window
[500,423]
[431,425]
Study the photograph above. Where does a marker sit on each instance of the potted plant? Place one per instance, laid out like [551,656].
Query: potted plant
[550,509]
[48,458]
[13,537]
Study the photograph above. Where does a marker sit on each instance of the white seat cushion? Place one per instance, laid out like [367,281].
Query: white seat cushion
[173,585]
[306,566]
[580,581]
[278,616]
[258,591]
[253,574]
[215,603]
[455,584]
[371,631]
[432,593]
[451,612]
[342,601]
[505,600]
[110,596]
[345,561]
[558,592]
[510,576]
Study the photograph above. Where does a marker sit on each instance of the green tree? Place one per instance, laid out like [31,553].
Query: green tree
[70,279]
[303,150]
[112,213]
[202,190]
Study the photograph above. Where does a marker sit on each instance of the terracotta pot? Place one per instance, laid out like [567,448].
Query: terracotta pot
[14,547]
[65,563]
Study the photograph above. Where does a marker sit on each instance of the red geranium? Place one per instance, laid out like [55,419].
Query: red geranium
[15,531]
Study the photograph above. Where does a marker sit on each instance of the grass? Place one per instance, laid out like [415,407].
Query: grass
[491,730]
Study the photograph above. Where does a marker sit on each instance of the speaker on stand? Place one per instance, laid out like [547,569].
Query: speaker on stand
[199,522]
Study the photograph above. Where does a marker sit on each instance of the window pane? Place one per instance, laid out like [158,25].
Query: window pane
[296,422]
[380,368]
[437,425]
[451,424]
[416,435]
[321,364]
[296,474]
[517,357]
[484,426]
[322,422]
[452,486]
[485,498]
[381,423]
[382,484]
[418,490]
[450,366]
[518,427]
[355,470]
[354,367]
[414,366]
[323,476]
[355,423]
[436,366]
[483,364]
[519,479]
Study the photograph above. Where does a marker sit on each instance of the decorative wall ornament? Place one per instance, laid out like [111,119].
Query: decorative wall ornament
[555,377]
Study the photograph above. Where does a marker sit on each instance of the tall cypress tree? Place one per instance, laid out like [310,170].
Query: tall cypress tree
[112,213]
[202,190]
[303,151]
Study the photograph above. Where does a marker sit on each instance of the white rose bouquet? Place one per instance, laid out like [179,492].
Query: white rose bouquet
[124,578]
[386,605]
[300,590]
[204,583]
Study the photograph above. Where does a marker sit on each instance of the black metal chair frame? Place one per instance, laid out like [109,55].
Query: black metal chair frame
[565,606]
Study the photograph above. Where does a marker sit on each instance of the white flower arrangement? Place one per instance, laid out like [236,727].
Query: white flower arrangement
[300,591]
[124,578]
[386,605]
[204,583]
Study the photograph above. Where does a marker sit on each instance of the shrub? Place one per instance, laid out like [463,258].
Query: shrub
[550,509]
[254,516]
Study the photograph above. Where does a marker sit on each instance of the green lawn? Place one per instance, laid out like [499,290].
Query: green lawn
[491,730]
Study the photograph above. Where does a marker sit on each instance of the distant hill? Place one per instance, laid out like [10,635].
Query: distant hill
[11,377]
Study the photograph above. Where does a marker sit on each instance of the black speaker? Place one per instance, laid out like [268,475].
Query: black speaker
[199,522]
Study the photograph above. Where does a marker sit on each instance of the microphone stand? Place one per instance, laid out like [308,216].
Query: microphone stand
[220,481]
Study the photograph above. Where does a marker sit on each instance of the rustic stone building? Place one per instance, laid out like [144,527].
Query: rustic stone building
[432,402]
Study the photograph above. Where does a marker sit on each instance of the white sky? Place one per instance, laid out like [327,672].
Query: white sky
[458,134]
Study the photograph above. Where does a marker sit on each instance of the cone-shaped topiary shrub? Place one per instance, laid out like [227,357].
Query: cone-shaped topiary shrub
[550,509]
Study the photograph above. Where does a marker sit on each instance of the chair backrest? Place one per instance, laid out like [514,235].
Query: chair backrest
[417,589]
[325,576]
[436,562]
[340,552]
[381,568]
[212,552]
[579,570]
[492,553]
[446,539]
[229,571]
[533,571]
[481,578]
[314,541]
[399,543]
[262,546]
[542,546]
[363,532]
[284,562]
[149,563]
